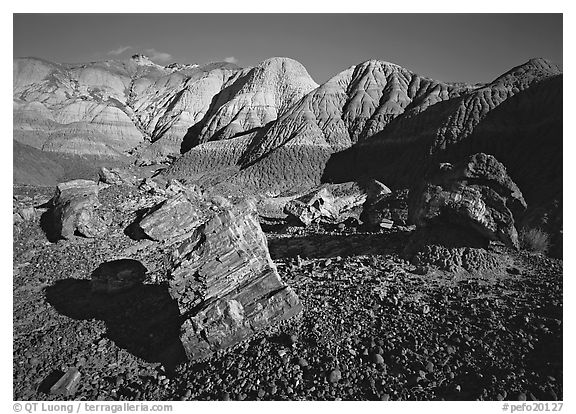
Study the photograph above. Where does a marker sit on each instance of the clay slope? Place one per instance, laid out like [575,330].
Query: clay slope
[254,100]
[111,108]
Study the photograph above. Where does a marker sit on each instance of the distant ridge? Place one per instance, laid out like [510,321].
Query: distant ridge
[272,128]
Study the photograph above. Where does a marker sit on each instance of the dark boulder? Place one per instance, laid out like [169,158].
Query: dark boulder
[476,194]
[385,209]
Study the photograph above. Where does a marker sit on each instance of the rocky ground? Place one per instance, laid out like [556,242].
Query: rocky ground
[374,326]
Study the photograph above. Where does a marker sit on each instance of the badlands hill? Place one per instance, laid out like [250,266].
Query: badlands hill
[380,120]
[272,129]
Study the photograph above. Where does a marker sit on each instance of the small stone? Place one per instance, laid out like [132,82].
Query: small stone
[377,359]
[261,393]
[335,376]
[553,395]
[430,366]
[302,362]
[522,396]
[67,384]
[292,339]
[385,397]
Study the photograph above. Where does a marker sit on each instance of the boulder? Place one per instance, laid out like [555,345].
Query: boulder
[74,209]
[476,194]
[385,208]
[226,284]
[116,176]
[331,203]
[117,276]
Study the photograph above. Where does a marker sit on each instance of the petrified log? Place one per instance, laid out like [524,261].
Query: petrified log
[225,283]
[332,203]
[175,217]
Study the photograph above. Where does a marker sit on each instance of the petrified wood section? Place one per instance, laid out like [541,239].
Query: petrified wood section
[74,209]
[176,216]
[332,203]
[477,193]
[226,284]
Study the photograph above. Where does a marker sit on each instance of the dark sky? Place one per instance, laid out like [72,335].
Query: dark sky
[447,47]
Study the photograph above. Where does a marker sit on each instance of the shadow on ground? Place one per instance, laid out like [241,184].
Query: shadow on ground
[316,246]
[48,225]
[144,320]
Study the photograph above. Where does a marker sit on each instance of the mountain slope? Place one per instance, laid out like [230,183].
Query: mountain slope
[353,105]
[112,108]
[488,119]
[109,108]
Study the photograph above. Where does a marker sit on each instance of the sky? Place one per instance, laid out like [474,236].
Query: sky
[446,47]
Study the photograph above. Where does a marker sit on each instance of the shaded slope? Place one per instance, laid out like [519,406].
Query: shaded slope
[504,119]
